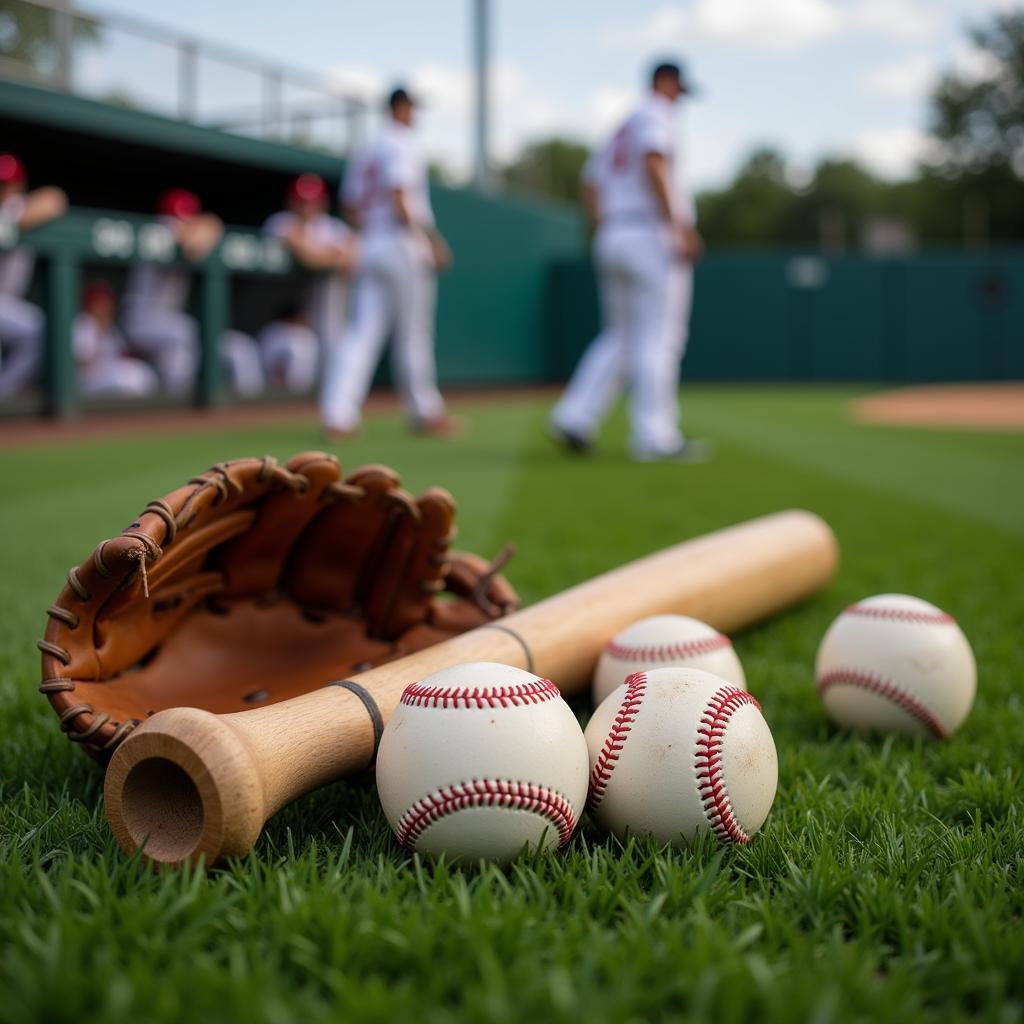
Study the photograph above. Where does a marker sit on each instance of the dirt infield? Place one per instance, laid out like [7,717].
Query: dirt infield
[963,406]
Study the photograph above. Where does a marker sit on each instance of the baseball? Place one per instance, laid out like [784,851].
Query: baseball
[482,760]
[896,663]
[662,641]
[675,751]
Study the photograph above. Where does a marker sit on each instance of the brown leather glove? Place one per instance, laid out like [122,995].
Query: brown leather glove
[255,583]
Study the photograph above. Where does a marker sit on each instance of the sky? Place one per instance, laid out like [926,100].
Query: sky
[810,77]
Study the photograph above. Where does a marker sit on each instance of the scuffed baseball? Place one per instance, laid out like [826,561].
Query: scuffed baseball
[480,761]
[663,641]
[896,663]
[676,751]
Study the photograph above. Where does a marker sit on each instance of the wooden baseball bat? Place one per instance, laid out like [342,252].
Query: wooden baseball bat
[188,783]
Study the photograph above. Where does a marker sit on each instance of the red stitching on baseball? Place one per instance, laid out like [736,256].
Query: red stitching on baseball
[708,762]
[535,692]
[875,683]
[636,687]
[520,796]
[872,611]
[667,652]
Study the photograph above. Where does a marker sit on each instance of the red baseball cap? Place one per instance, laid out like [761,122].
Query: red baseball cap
[307,187]
[179,202]
[96,290]
[12,170]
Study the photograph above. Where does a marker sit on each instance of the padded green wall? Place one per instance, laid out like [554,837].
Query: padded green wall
[936,316]
[493,313]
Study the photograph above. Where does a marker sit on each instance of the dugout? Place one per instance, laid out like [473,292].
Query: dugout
[493,307]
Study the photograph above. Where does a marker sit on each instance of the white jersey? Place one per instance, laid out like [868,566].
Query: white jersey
[385,165]
[156,287]
[16,265]
[94,344]
[618,170]
[322,229]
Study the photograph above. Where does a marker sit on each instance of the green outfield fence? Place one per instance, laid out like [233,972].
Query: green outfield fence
[773,315]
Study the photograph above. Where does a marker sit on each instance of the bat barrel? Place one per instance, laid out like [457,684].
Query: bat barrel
[190,784]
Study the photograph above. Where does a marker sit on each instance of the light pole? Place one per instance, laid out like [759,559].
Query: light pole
[482,177]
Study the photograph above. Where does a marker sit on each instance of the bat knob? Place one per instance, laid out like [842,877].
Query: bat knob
[184,786]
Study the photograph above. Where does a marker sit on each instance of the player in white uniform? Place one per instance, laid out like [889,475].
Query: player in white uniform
[401,252]
[645,247]
[103,365]
[156,294]
[326,246]
[290,350]
[22,324]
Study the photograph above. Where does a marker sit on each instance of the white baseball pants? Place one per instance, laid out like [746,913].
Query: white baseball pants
[240,357]
[396,293]
[118,376]
[21,344]
[170,341]
[645,297]
[291,353]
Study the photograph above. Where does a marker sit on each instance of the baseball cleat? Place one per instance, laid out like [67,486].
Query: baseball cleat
[570,442]
[438,426]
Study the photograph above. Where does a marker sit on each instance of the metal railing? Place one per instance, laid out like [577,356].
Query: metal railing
[129,61]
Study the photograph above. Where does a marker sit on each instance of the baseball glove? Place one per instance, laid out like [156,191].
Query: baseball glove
[254,583]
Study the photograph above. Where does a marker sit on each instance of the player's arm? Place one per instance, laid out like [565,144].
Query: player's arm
[656,167]
[198,235]
[42,205]
[439,248]
[691,246]
[339,256]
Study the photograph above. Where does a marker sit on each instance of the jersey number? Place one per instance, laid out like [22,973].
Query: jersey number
[371,191]
[620,149]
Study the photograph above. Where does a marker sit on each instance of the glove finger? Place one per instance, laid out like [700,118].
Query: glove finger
[333,563]
[253,563]
[410,570]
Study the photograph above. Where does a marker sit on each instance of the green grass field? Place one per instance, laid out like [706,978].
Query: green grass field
[887,884]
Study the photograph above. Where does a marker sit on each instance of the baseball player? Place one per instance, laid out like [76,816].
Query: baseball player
[104,367]
[156,294]
[326,246]
[22,325]
[290,350]
[645,247]
[385,195]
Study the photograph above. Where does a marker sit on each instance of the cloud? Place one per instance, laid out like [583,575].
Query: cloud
[975,64]
[519,111]
[605,109]
[765,24]
[910,78]
[894,19]
[890,152]
[359,79]
[778,25]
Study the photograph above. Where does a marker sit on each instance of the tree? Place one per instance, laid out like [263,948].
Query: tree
[979,119]
[978,123]
[26,37]
[755,208]
[550,167]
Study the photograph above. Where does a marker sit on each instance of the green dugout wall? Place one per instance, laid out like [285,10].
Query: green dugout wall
[796,316]
[493,307]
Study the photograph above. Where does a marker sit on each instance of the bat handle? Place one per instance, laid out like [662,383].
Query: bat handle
[189,784]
